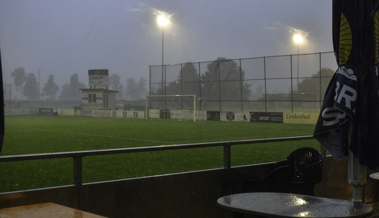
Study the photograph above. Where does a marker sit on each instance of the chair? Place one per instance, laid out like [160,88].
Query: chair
[298,173]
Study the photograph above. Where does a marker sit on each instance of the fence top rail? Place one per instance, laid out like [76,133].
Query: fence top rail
[80,154]
[235,59]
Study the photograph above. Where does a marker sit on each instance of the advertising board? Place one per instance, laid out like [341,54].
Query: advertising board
[300,118]
[46,111]
[266,117]
[213,115]
[234,116]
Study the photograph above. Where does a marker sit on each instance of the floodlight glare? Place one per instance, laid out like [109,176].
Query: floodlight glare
[162,20]
[297,38]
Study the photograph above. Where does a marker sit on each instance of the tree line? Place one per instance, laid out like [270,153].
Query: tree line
[28,87]
[224,80]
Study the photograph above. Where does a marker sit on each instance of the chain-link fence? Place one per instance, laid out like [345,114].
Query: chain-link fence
[274,83]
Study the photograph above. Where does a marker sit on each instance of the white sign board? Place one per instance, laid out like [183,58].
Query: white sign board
[98,77]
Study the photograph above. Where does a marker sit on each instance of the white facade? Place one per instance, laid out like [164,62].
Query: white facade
[98,99]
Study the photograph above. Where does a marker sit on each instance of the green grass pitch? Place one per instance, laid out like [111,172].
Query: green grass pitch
[45,134]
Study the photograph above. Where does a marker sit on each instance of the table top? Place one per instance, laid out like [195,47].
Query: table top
[269,204]
[45,210]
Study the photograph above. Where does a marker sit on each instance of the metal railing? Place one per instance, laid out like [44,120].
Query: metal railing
[78,155]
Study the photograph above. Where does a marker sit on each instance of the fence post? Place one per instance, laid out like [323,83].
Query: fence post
[291,85]
[241,84]
[77,171]
[265,79]
[227,156]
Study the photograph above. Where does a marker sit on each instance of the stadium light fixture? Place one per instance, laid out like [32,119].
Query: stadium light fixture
[162,20]
[297,38]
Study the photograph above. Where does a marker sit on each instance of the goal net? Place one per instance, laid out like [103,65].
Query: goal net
[178,107]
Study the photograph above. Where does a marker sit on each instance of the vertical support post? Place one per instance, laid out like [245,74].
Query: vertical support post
[291,84]
[219,82]
[298,48]
[356,177]
[181,84]
[264,71]
[150,80]
[227,156]
[200,88]
[356,173]
[146,110]
[194,108]
[319,102]
[162,56]
[241,83]
[77,171]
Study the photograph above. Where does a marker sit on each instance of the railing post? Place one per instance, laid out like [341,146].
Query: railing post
[227,156]
[77,171]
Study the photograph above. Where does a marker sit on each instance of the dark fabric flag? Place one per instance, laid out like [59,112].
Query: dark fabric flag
[349,117]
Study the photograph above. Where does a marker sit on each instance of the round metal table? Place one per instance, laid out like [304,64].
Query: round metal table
[269,204]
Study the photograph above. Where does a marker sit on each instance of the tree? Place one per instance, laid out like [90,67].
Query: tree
[131,89]
[19,77]
[136,91]
[224,80]
[187,82]
[51,88]
[72,91]
[31,87]
[115,84]
[142,91]
[313,85]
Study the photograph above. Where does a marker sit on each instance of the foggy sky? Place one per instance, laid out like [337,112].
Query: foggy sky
[71,36]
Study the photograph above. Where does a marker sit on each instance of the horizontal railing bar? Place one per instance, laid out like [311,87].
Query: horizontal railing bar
[144,149]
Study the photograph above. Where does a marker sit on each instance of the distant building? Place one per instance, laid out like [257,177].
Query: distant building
[96,98]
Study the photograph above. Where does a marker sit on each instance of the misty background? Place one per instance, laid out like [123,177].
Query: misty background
[67,38]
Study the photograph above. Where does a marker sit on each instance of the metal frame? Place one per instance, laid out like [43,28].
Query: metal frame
[78,155]
[241,100]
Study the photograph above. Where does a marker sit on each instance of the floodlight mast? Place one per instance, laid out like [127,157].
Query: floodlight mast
[162,21]
[298,39]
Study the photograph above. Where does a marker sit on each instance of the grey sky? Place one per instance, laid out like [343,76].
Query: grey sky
[71,36]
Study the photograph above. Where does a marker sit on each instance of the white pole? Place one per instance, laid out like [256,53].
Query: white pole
[194,108]
[146,115]
[356,173]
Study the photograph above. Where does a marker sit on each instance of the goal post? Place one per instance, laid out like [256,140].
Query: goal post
[166,104]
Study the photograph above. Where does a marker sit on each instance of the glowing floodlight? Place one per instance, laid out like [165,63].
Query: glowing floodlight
[297,38]
[162,20]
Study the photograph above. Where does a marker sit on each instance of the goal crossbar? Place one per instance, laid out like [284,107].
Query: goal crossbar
[148,97]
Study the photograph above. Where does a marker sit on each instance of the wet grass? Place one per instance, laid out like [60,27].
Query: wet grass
[45,134]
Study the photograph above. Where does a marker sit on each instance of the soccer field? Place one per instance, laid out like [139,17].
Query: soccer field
[45,134]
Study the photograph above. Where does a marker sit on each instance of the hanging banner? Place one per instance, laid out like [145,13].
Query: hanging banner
[349,117]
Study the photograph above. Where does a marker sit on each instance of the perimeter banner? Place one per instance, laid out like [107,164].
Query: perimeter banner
[300,118]
[266,117]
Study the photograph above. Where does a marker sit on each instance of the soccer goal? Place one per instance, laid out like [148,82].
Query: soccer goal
[178,107]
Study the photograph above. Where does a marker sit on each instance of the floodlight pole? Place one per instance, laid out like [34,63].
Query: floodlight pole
[162,56]
[298,52]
